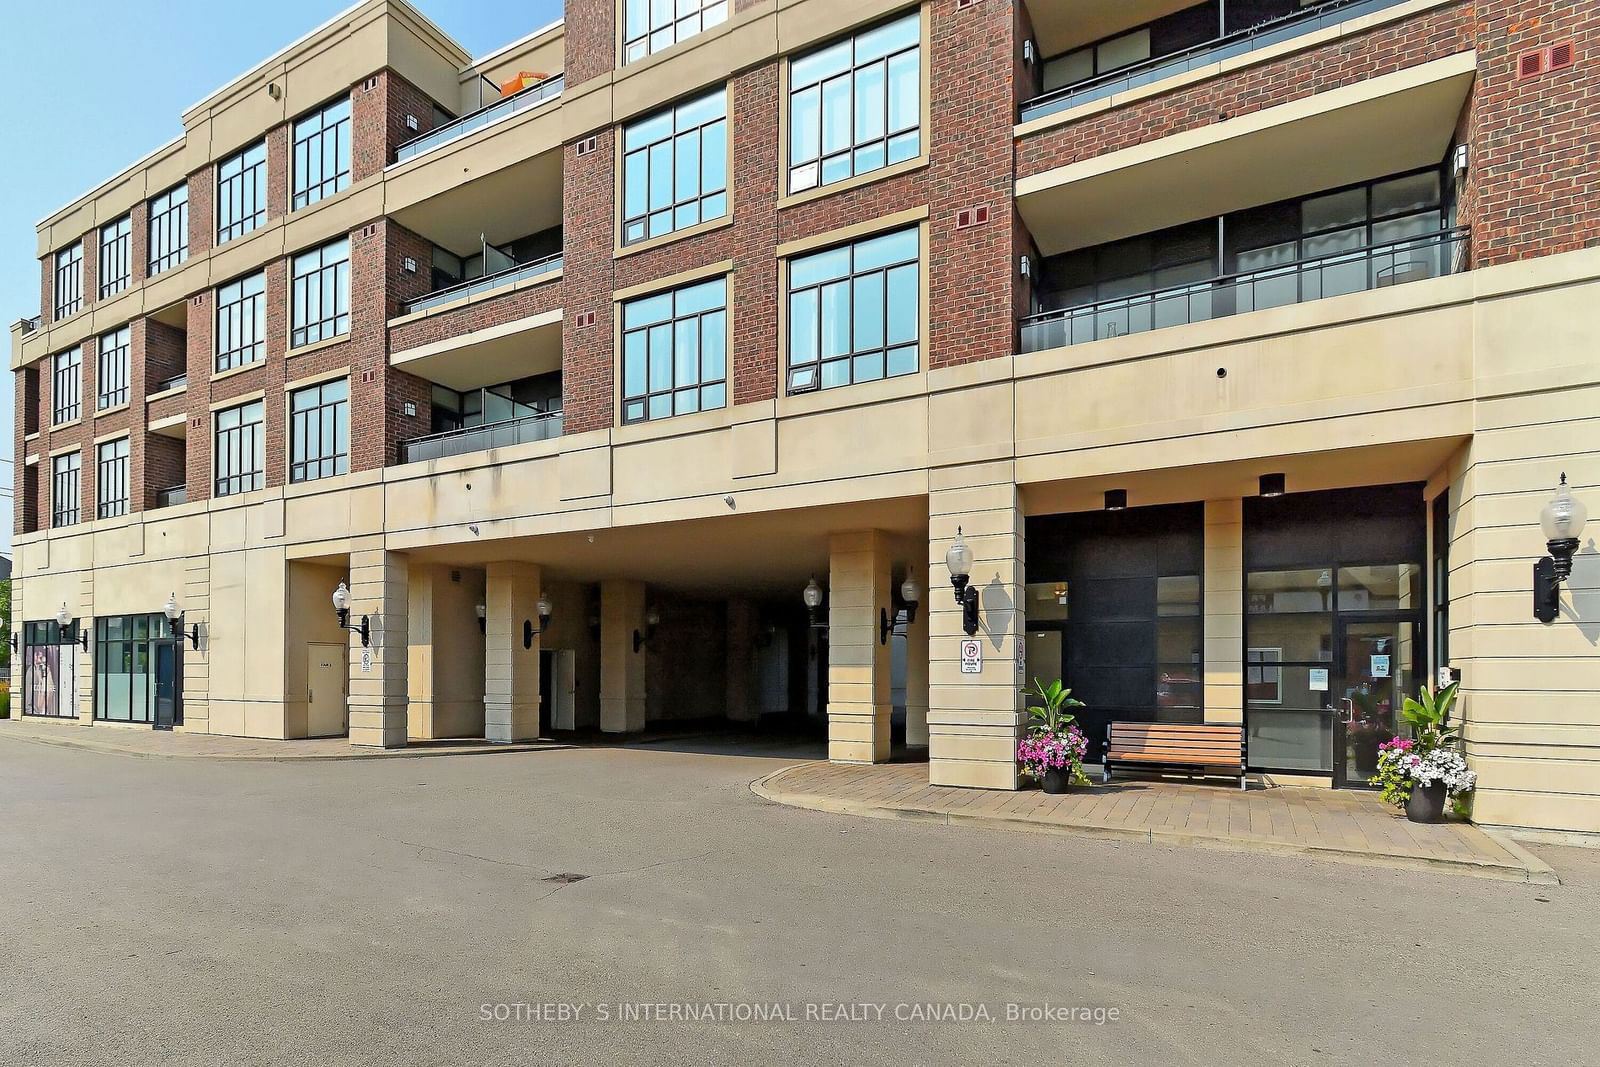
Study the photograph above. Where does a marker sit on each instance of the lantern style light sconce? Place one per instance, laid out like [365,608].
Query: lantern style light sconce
[1271,484]
[64,620]
[1562,520]
[959,560]
[482,611]
[812,595]
[341,608]
[652,619]
[175,617]
[904,599]
[544,609]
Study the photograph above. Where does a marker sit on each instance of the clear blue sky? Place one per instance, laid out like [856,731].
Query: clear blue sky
[95,84]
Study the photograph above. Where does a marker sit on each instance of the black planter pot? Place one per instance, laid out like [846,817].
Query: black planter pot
[1426,803]
[1056,780]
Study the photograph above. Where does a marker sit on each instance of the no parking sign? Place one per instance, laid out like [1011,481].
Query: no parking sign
[971,657]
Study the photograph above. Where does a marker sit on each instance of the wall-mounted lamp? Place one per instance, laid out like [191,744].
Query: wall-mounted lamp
[1116,500]
[175,617]
[812,595]
[652,619]
[13,642]
[65,621]
[341,608]
[903,601]
[1562,520]
[544,610]
[959,560]
[1271,484]
[482,611]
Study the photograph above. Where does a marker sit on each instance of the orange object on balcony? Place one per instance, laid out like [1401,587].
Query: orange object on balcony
[523,79]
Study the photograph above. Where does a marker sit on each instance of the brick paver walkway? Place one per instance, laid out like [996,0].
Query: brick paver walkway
[1337,823]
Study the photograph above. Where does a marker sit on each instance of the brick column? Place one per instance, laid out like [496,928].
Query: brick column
[511,668]
[975,720]
[378,590]
[1224,611]
[860,703]
[622,678]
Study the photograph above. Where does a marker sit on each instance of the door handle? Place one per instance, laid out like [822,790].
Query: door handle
[1348,715]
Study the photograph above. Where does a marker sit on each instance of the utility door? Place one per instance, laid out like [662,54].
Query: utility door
[327,678]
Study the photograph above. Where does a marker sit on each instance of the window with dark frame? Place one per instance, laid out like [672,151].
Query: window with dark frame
[854,312]
[320,294]
[855,105]
[675,168]
[169,229]
[116,256]
[675,352]
[319,431]
[111,478]
[66,394]
[320,155]
[50,669]
[125,677]
[64,495]
[648,26]
[240,443]
[242,192]
[69,280]
[111,369]
[241,324]
[1441,583]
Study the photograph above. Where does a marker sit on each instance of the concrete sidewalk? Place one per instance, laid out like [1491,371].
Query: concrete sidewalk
[1343,824]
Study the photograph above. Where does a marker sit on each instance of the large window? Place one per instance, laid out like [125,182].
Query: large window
[242,192]
[127,668]
[241,321]
[651,25]
[111,369]
[50,669]
[169,229]
[320,296]
[66,395]
[675,168]
[321,153]
[111,478]
[240,449]
[675,352]
[69,280]
[116,256]
[319,431]
[65,470]
[853,312]
[855,106]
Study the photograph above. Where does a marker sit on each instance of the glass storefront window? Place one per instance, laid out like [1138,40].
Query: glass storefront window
[50,670]
[1046,601]
[125,681]
[1386,587]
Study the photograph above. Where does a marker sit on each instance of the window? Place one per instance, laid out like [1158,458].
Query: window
[675,168]
[321,154]
[169,229]
[853,312]
[855,106]
[241,321]
[111,373]
[320,295]
[69,280]
[66,395]
[116,256]
[651,25]
[134,659]
[1263,683]
[50,669]
[319,431]
[675,352]
[64,489]
[1098,59]
[242,192]
[111,479]
[1441,583]
[240,448]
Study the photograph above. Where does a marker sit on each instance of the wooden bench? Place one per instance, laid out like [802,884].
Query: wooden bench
[1162,744]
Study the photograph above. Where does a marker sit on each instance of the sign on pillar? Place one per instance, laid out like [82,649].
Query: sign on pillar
[971,656]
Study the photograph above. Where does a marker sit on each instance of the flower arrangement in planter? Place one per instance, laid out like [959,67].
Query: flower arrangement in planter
[1417,773]
[1052,753]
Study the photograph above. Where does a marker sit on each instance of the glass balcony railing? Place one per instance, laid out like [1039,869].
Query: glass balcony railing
[532,96]
[1241,42]
[1358,269]
[544,426]
[172,494]
[177,381]
[474,286]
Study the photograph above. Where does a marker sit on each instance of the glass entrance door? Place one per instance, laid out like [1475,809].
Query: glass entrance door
[1375,669]
[166,683]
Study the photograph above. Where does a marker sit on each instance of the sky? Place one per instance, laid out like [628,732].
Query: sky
[97,84]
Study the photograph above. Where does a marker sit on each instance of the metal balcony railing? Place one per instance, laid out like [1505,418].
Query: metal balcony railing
[532,96]
[1358,269]
[172,494]
[473,286]
[1238,43]
[544,426]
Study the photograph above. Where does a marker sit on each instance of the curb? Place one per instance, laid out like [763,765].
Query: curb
[1533,870]
[223,757]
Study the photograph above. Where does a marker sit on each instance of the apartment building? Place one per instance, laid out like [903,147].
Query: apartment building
[649,367]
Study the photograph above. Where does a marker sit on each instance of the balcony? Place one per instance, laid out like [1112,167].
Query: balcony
[1356,270]
[176,381]
[172,494]
[487,283]
[531,97]
[1209,53]
[544,426]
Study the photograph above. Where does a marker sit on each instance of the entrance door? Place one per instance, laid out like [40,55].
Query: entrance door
[167,707]
[1376,670]
[327,677]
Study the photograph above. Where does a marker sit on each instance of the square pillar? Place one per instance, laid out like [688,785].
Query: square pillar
[917,670]
[860,702]
[622,678]
[378,590]
[1224,611]
[975,719]
[511,664]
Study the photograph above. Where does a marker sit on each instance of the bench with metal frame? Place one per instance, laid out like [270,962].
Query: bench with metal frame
[1174,745]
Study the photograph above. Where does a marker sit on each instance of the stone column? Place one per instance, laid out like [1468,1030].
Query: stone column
[975,719]
[1224,611]
[378,590]
[622,679]
[917,669]
[196,594]
[742,622]
[860,703]
[511,664]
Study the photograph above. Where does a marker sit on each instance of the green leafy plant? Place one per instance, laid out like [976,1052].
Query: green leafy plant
[1429,718]
[1049,712]
[1054,742]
